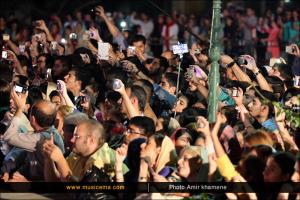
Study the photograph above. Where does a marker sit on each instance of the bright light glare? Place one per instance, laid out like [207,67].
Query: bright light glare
[123,24]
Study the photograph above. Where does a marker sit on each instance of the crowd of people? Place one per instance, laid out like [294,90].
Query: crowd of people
[83,96]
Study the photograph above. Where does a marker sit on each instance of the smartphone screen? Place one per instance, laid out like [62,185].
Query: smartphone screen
[18,89]
[103,50]
[4,54]
[289,49]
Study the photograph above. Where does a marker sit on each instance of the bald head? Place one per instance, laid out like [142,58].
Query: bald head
[167,54]
[95,130]
[44,113]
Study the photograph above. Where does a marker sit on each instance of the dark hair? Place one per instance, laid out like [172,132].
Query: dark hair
[158,138]
[189,115]
[171,78]
[44,120]
[262,151]
[139,38]
[289,93]
[146,124]
[34,95]
[231,114]
[163,62]
[284,70]
[54,93]
[49,59]
[181,132]
[254,168]
[140,94]
[66,64]
[147,86]
[271,97]
[276,83]
[23,60]
[5,95]
[235,84]
[286,162]
[82,75]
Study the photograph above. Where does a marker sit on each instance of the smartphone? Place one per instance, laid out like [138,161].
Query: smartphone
[59,88]
[22,48]
[53,45]
[73,36]
[132,49]
[4,54]
[48,75]
[235,92]
[5,37]
[289,49]
[103,51]
[296,81]
[18,89]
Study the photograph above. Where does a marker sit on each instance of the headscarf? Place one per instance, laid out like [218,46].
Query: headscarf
[167,155]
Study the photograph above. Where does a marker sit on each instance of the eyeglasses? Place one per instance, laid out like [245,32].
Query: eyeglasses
[76,136]
[130,131]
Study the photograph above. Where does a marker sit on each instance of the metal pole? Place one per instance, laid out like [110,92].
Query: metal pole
[214,54]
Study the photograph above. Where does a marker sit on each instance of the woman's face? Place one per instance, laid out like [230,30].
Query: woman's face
[182,141]
[187,164]
[150,149]
[56,100]
[272,172]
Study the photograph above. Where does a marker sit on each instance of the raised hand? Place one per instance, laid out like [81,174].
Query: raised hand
[100,11]
[120,88]
[94,34]
[51,150]
[251,64]
[203,125]
[19,99]
[239,98]
[121,153]
[17,177]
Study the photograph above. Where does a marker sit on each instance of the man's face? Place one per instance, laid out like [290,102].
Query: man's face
[41,65]
[70,80]
[140,46]
[132,133]
[165,85]
[57,68]
[80,140]
[255,107]
[248,97]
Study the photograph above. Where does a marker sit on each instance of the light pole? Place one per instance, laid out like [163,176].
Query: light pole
[214,54]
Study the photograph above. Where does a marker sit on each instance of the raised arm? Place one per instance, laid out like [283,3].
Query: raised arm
[132,112]
[54,155]
[230,63]
[110,24]
[262,82]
